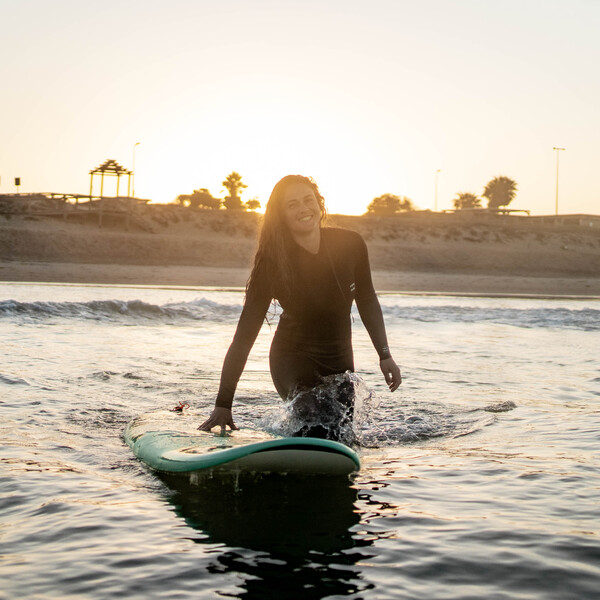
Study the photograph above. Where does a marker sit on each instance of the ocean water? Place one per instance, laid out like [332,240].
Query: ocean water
[480,477]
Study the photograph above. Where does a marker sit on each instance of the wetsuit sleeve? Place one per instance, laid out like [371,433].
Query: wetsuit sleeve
[367,302]
[254,311]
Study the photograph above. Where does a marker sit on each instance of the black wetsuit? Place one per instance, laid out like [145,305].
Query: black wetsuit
[314,335]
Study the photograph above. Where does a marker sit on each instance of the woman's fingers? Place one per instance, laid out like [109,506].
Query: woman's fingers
[207,425]
[391,372]
[220,417]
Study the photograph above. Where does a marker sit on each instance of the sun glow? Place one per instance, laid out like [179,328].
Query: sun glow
[264,140]
[366,99]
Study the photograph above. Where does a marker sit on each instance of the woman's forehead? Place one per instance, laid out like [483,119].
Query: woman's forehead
[297,191]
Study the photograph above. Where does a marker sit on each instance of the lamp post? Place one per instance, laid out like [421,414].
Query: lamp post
[558,149]
[133,169]
[436,190]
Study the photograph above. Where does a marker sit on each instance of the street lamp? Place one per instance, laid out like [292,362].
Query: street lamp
[557,155]
[436,189]
[133,169]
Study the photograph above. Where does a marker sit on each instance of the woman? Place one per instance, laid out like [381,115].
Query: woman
[315,274]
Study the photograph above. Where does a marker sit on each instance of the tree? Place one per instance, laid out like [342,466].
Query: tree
[202,198]
[183,199]
[252,204]
[233,184]
[389,204]
[500,191]
[466,200]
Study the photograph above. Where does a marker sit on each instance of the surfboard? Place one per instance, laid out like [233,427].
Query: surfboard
[170,443]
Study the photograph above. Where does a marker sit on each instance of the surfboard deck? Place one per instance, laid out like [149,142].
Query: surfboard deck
[170,443]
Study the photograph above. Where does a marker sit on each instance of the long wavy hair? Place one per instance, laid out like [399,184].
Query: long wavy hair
[272,261]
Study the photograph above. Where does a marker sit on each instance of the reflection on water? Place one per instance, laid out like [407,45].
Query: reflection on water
[284,515]
[300,526]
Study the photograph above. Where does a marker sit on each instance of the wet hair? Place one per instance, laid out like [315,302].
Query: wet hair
[272,260]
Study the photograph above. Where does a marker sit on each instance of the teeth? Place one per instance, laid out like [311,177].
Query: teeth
[305,218]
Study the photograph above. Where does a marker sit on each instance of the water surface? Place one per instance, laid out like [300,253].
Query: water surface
[480,476]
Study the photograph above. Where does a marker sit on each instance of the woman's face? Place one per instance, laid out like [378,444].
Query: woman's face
[301,211]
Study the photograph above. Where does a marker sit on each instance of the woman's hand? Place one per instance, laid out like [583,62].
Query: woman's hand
[220,417]
[391,372]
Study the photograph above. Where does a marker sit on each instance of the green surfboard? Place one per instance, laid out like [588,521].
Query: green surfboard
[170,443]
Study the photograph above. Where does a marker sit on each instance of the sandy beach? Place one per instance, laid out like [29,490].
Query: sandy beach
[206,249]
[230,277]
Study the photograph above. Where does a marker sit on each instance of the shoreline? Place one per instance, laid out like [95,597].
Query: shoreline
[205,277]
[427,254]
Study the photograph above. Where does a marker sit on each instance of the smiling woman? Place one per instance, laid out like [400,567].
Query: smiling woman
[315,274]
[302,210]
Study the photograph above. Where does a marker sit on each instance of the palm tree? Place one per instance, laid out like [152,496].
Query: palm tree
[233,184]
[500,191]
[466,200]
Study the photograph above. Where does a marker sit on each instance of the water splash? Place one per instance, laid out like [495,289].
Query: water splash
[328,410]
[325,411]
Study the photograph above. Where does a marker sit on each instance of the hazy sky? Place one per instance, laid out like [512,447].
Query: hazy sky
[367,97]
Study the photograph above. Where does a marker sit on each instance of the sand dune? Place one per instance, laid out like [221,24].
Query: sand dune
[204,248]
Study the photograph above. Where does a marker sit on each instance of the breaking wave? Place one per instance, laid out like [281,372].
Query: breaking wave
[585,319]
[204,309]
[120,310]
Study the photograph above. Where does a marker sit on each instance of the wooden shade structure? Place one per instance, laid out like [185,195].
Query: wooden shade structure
[113,168]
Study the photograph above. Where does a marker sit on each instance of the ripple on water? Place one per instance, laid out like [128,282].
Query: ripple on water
[12,380]
[457,498]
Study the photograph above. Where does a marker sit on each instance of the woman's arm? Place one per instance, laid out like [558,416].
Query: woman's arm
[372,316]
[254,311]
